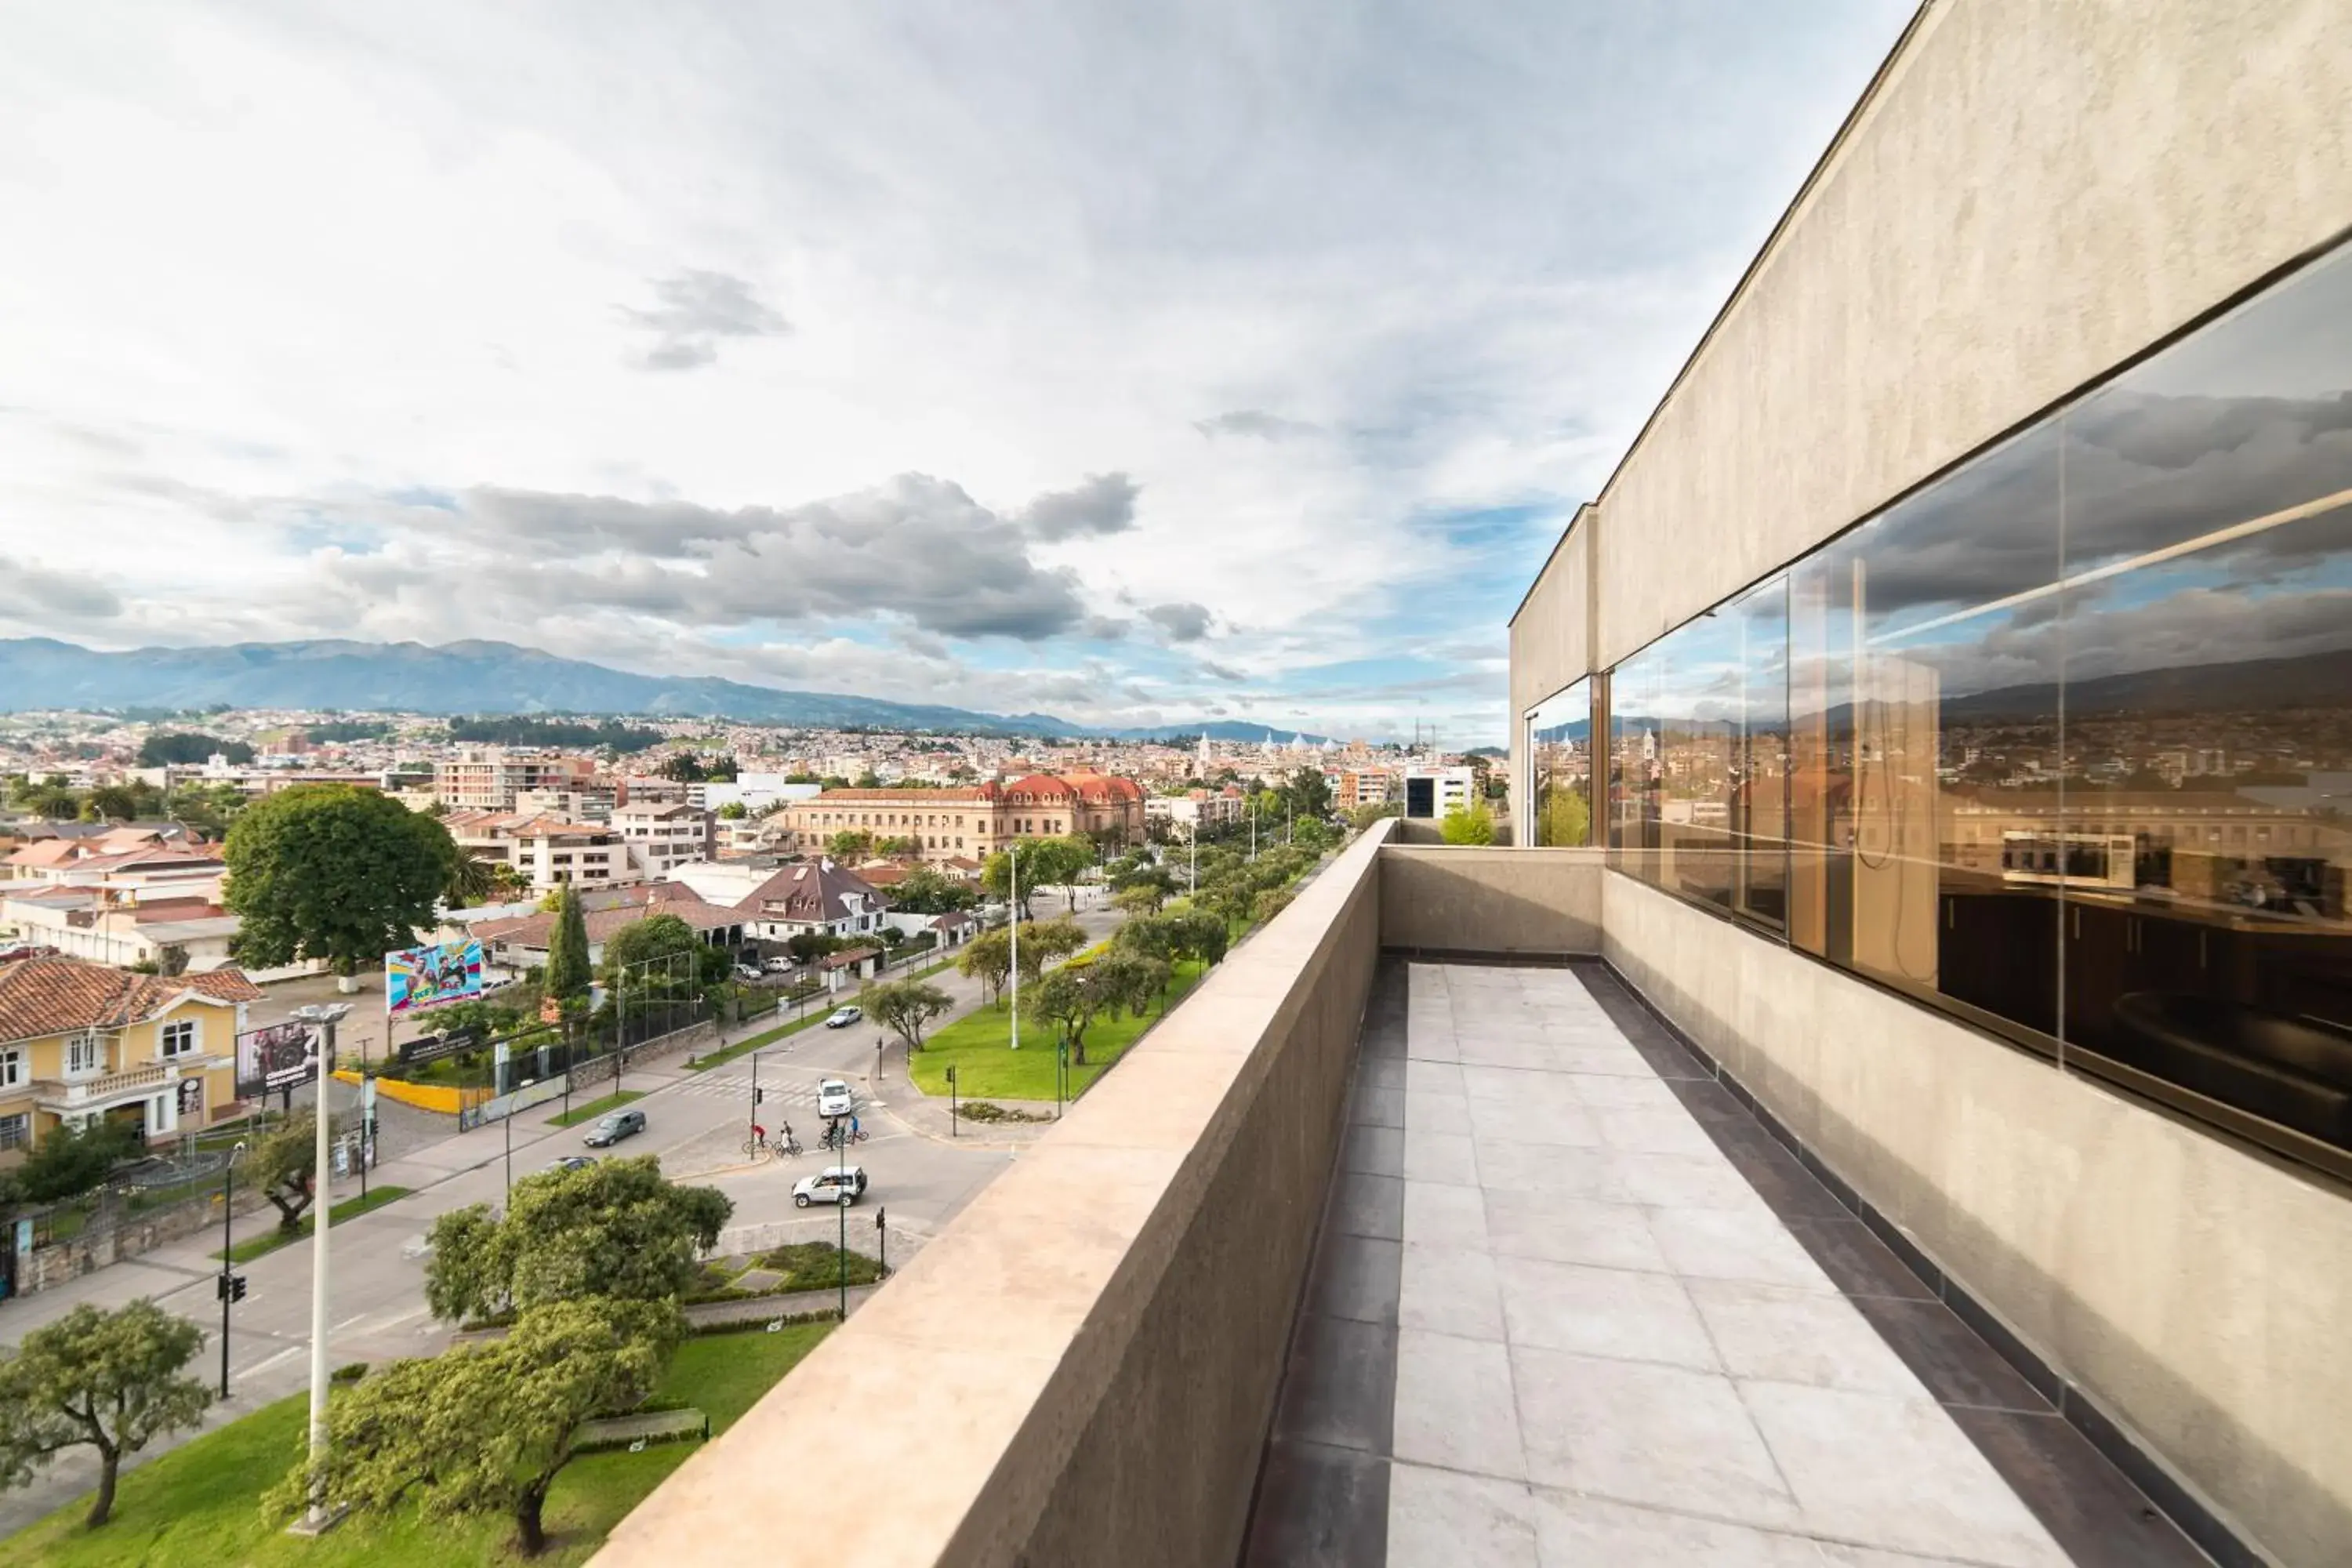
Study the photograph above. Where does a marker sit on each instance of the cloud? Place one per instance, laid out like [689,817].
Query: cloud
[1104,504]
[1184,622]
[696,310]
[30,592]
[1256,422]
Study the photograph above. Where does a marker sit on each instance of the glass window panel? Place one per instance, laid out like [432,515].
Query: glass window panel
[2207,839]
[1759,796]
[1560,768]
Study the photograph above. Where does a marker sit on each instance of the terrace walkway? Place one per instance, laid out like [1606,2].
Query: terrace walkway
[1573,1304]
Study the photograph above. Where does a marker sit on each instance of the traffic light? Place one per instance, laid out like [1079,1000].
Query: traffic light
[881,1219]
[229,1287]
[759,1096]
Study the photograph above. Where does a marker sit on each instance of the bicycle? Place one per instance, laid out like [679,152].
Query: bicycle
[757,1145]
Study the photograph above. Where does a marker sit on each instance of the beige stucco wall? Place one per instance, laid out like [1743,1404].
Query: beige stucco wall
[1551,646]
[1450,898]
[2035,192]
[2197,1292]
[1082,1367]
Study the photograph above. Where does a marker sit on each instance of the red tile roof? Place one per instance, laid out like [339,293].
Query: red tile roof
[50,996]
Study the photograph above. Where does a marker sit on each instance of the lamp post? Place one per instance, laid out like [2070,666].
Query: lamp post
[326,1016]
[507,1121]
[841,1248]
[228,1282]
[1013,879]
[951,1100]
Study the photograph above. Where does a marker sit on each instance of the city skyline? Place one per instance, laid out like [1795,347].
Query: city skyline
[1203,371]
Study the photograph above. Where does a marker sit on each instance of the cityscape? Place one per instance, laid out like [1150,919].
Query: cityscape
[1301,787]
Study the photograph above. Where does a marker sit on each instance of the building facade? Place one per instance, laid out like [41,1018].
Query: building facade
[973,820]
[81,1041]
[1954,675]
[662,837]
[489,778]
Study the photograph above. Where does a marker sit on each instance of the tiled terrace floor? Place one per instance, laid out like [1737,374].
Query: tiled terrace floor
[1572,1304]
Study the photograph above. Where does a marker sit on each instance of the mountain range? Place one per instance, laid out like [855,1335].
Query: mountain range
[479,678]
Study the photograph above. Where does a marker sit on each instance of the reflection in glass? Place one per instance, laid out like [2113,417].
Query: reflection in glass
[2064,741]
[1560,768]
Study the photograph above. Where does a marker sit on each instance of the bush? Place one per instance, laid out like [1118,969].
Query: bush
[350,1372]
[814,1265]
[986,1110]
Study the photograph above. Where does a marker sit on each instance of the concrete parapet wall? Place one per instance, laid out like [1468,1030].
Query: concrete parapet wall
[1081,1369]
[2193,1292]
[1494,902]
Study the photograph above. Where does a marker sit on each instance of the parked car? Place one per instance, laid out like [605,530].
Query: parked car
[844,1017]
[780,964]
[833,1099]
[747,971]
[612,1129]
[573,1163]
[843,1184]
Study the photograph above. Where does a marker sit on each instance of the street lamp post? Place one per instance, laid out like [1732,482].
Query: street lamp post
[507,1121]
[326,1016]
[1013,879]
[952,1101]
[228,1281]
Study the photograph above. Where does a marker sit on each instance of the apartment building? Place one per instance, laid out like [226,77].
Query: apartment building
[489,778]
[1354,787]
[1432,791]
[1197,810]
[80,1041]
[548,852]
[661,836]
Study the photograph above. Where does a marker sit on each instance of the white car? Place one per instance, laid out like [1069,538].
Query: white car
[835,1185]
[833,1099]
[780,964]
[843,1016]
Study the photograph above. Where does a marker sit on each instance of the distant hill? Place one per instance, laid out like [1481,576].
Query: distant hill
[474,678]
[1231,729]
[2314,680]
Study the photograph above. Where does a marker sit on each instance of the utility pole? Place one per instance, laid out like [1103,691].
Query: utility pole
[231,1285]
[1012,878]
[326,1016]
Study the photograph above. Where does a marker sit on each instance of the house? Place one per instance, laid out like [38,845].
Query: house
[814,895]
[521,942]
[81,1040]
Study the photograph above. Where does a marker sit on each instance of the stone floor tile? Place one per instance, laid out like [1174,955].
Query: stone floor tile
[1521,1085]
[1444,1214]
[1373,1107]
[1341,1386]
[1615,1312]
[1677,1181]
[1454,1405]
[1856,1261]
[1896,1473]
[1600,1089]
[1454,1290]
[1652,1129]
[1642,1433]
[1435,1112]
[1558,1169]
[1375,1150]
[1489,1050]
[1440,1157]
[1425,1076]
[1528,1122]
[1572,1230]
[1356,1277]
[1736,1244]
[1798,1336]
[1319,1507]
[1364,1204]
[1957,1367]
[1439,1519]
[2086,1504]
[1574,1532]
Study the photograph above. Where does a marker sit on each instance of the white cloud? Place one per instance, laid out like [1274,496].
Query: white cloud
[268,268]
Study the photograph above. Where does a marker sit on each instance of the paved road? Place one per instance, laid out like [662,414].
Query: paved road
[696,1123]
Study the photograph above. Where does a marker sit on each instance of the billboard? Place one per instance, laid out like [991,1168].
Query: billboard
[275,1057]
[428,976]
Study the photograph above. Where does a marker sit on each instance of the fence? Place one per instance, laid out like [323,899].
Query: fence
[583,1074]
[117,1221]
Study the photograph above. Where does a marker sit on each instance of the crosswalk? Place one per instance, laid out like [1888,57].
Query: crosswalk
[738,1087]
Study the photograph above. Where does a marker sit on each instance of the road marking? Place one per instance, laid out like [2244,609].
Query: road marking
[261,1366]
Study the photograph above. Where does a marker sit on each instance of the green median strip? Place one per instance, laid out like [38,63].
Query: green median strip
[769,1038]
[350,1208]
[595,1108]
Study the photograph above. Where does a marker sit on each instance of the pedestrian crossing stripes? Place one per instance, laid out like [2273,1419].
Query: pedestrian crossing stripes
[738,1087]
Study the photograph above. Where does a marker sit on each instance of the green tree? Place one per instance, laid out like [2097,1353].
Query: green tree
[1140,898]
[926,892]
[486,1428]
[207,808]
[988,958]
[1306,793]
[619,1228]
[1270,902]
[734,811]
[105,1380]
[114,803]
[187,748]
[51,801]
[808,946]
[1066,1003]
[1154,936]
[71,1161]
[683,767]
[906,1008]
[1042,942]
[1363,817]
[1128,981]
[1472,824]
[284,1164]
[904,845]
[850,844]
[1205,936]
[644,953]
[1060,863]
[567,949]
[473,881]
[333,872]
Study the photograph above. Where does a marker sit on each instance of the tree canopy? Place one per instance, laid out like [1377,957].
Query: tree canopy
[186,747]
[567,947]
[285,1165]
[486,1428]
[618,1229]
[988,958]
[906,1008]
[105,1380]
[1474,824]
[927,891]
[334,872]
[643,954]
[72,1159]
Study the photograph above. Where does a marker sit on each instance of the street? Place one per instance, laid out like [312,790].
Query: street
[694,1121]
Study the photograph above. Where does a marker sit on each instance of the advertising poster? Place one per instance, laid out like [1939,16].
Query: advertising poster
[275,1057]
[428,976]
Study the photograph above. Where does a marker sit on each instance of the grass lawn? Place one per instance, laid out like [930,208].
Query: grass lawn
[595,1108]
[350,1208]
[198,1503]
[979,1045]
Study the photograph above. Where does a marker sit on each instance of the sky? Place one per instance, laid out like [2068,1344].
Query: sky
[1129,364]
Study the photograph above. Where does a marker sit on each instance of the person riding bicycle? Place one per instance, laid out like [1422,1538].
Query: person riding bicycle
[759,1134]
[854,1132]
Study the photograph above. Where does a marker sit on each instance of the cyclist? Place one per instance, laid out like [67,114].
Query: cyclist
[853,1133]
[790,1147]
[759,1135]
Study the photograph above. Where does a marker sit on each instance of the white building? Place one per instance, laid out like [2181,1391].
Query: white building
[661,838]
[1435,792]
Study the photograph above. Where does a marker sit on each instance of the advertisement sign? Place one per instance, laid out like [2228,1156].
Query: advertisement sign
[275,1057]
[433,1047]
[191,1099]
[428,976]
